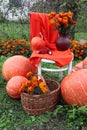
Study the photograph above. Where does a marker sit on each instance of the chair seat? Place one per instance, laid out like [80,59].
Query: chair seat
[48,61]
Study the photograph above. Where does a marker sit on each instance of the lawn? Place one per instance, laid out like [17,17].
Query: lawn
[13,117]
[14,30]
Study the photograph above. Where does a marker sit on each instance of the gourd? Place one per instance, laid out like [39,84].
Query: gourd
[74,88]
[37,43]
[13,85]
[16,65]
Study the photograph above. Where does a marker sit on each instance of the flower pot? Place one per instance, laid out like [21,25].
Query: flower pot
[38,104]
[63,42]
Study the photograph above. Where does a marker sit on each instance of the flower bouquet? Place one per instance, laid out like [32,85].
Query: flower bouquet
[35,85]
[62,21]
[39,95]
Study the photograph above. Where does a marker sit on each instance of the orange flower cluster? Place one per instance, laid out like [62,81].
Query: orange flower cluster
[15,47]
[62,21]
[33,85]
[79,49]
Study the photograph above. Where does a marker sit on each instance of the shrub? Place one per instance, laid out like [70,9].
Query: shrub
[15,47]
[79,49]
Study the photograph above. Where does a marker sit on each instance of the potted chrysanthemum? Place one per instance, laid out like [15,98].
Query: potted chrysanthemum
[63,22]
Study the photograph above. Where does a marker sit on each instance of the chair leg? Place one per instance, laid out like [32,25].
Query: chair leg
[60,74]
[70,67]
[39,69]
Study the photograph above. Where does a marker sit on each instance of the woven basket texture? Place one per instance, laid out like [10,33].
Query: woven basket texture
[38,104]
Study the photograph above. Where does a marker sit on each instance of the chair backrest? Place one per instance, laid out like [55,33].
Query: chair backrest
[40,25]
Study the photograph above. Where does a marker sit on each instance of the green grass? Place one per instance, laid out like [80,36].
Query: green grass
[12,115]
[21,31]
[14,30]
[81,35]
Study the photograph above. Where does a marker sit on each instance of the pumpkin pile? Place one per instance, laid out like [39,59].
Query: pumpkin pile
[73,86]
[14,71]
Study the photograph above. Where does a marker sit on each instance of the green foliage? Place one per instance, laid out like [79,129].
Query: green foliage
[76,115]
[80,35]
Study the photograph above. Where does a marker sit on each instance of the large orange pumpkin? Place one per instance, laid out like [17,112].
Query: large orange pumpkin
[37,43]
[74,88]
[13,85]
[16,65]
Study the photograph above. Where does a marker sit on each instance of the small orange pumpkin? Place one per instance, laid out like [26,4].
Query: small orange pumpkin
[17,65]
[13,85]
[74,88]
[37,43]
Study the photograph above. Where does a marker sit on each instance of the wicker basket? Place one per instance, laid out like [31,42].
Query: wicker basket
[38,104]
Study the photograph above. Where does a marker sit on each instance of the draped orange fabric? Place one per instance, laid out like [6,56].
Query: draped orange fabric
[39,23]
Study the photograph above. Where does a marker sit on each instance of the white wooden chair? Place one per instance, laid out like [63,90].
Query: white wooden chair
[37,25]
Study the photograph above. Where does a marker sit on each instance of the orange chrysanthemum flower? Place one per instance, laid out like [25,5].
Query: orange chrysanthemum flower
[32,84]
[29,74]
[43,87]
[62,21]
[30,89]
